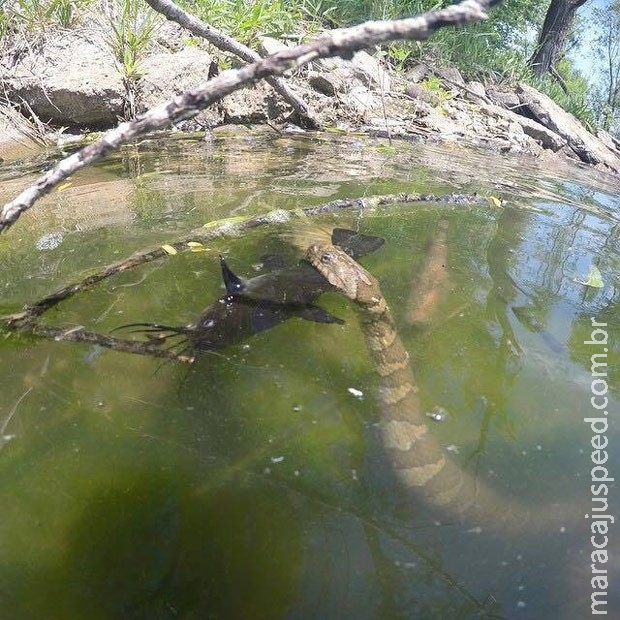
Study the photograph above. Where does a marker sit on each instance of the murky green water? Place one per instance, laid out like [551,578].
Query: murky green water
[246,486]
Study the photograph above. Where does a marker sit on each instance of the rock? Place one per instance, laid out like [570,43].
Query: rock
[416,73]
[608,140]
[475,91]
[367,70]
[326,83]
[17,139]
[415,91]
[588,147]
[329,64]
[547,138]
[268,46]
[359,99]
[341,78]
[71,81]
[166,75]
[255,104]
[447,128]
[171,36]
[451,75]
[503,99]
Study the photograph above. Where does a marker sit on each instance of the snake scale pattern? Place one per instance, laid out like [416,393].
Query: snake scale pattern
[420,464]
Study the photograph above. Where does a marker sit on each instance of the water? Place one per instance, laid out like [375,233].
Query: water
[246,486]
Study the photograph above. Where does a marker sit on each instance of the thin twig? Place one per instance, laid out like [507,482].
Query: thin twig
[79,334]
[13,411]
[336,43]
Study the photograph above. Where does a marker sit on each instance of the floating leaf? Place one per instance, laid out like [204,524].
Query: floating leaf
[496,202]
[595,279]
[196,246]
[168,249]
[225,221]
[65,185]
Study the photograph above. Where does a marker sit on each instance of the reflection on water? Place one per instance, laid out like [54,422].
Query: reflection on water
[246,486]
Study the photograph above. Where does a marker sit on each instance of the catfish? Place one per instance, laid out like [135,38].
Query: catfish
[250,306]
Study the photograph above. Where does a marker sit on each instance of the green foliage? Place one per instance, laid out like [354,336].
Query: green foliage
[34,15]
[497,48]
[247,20]
[433,84]
[577,100]
[605,97]
[132,28]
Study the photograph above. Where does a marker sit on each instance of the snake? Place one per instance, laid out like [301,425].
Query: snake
[421,465]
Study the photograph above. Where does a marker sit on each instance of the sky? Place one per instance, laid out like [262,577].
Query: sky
[583,56]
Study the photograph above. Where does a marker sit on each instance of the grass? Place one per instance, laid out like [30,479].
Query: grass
[34,15]
[490,51]
[132,25]
[245,21]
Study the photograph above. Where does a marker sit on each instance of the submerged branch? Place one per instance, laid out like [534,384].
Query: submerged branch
[35,310]
[79,334]
[336,43]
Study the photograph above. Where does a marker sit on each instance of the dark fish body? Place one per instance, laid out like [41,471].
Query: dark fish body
[230,320]
[301,284]
[257,304]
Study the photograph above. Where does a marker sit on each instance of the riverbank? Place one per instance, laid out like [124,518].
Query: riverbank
[69,82]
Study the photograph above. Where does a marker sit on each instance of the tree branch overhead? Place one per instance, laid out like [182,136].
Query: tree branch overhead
[337,43]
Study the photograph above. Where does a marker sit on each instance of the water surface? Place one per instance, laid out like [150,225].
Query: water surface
[246,486]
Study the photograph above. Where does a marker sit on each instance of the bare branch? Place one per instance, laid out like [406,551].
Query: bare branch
[79,334]
[225,43]
[35,310]
[337,43]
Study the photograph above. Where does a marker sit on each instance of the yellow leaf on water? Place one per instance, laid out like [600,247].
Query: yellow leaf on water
[595,279]
[225,221]
[196,246]
[65,185]
[496,202]
[168,249]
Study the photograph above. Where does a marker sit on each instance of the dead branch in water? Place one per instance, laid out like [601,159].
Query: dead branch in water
[31,312]
[79,334]
[342,42]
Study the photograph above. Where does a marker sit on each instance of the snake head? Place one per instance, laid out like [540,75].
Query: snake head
[339,269]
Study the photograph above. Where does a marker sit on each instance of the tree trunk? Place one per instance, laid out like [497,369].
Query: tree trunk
[552,37]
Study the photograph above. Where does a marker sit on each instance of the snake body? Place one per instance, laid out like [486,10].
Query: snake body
[419,462]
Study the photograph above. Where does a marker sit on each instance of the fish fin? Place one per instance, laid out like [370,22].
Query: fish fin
[267,316]
[233,283]
[271,262]
[356,244]
[317,314]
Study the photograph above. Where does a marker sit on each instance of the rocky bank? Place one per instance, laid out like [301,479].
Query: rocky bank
[70,82]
